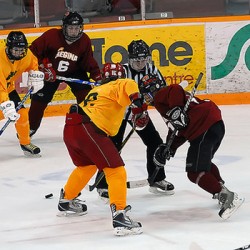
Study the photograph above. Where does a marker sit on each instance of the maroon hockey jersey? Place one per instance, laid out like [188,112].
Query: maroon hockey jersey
[202,114]
[68,60]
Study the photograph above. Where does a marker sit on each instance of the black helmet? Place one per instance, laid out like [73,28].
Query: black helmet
[149,85]
[139,55]
[16,39]
[72,18]
[137,49]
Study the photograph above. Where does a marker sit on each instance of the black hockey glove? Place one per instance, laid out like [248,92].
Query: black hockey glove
[162,153]
[177,118]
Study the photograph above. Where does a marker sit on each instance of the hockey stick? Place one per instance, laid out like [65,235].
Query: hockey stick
[99,178]
[130,184]
[136,183]
[17,108]
[174,133]
[244,247]
[76,80]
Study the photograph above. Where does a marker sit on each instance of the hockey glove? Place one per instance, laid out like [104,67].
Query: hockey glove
[162,153]
[177,118]
[49,72]
[35,80]
[9,111]
[140,120]
[140,116]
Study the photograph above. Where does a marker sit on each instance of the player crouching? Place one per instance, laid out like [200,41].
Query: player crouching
[87,137]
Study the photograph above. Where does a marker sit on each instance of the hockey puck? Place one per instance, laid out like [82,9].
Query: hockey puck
[48,196]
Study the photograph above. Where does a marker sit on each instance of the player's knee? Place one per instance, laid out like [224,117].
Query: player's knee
[117,173]
[195,176]
[24,117]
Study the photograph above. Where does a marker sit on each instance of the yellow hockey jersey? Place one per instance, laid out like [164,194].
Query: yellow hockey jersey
[106,104]
[10,72]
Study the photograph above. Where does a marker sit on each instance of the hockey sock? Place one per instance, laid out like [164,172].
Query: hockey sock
[117,187]
[206,181]
[36,112]
[77,180]
[1,116]
[80,94]
[22,127]
[215,172]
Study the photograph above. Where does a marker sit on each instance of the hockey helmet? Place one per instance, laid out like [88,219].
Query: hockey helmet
[139,54]
[149,85]
[112,71]
[72,26]
[16,45]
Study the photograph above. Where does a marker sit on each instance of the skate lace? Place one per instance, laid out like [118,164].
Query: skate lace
[31,146]
[222,199]
[161,184]
[75,205]
[226,199]
[78,201]
[128,219]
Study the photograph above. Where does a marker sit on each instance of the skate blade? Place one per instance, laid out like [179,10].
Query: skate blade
[123,231]
[28,154]
[70,214]
[228,212]
[158,191]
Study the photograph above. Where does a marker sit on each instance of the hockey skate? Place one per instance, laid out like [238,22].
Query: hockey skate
[122,224]
[71,208]
[229,202]
[31,150]
[103,194]
[162,187]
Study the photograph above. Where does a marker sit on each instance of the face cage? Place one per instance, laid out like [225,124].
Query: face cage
[14,53]
[139,63]
[72,38]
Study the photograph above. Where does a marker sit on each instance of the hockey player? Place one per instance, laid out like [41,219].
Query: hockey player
[138,66]
[16,59]
[64,52]
[202,126]
[86,135]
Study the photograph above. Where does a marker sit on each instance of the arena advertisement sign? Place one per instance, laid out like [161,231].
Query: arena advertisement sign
[228,57]
[177,50]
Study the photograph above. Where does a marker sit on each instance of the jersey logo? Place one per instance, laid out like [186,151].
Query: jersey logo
[66,55]
[12,73]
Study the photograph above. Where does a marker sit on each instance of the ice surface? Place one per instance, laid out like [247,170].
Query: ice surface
[187,220]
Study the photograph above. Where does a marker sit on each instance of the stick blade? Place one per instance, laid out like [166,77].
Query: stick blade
[137,184]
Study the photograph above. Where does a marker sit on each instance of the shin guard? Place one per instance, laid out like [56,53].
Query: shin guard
[22,127]
[117,187]
[77,180]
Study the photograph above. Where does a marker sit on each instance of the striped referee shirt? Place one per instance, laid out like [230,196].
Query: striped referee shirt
[137,76]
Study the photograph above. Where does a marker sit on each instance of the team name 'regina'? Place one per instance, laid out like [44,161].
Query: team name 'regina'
[67,55]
